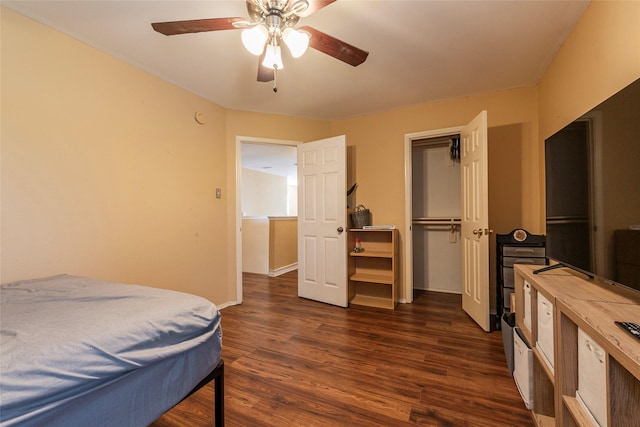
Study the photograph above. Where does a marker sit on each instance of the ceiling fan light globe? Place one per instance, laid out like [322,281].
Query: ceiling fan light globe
[296,41]
[273,58]
[254,39]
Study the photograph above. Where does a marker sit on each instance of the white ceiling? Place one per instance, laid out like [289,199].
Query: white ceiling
[420,50]
[274,159]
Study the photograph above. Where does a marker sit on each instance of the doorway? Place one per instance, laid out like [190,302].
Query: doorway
[437,265]
[474,218]
[257,142]
[409,139]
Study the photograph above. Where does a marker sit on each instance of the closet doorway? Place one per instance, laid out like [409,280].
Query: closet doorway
[436,196]
[474,217]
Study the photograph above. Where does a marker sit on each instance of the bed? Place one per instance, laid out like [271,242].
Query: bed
[77,351]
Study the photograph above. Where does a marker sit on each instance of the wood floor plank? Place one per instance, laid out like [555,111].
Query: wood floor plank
[295,362]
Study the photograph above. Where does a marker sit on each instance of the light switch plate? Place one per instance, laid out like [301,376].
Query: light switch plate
[218,193]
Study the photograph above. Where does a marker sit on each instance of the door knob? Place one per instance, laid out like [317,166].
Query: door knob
[340,229]
[478,231]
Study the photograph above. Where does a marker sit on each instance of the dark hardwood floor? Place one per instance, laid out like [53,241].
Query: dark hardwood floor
[295,362]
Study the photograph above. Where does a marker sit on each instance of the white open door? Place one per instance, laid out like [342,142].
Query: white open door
[475,221]
[322,221]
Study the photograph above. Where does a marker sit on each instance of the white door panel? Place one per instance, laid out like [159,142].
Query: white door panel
[310,250]
[322,221]
[475,221]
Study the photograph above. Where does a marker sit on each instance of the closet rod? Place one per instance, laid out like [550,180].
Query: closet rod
[435,221]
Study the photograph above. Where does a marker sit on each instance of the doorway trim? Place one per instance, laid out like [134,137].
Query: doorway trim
[408,198]
[239,141]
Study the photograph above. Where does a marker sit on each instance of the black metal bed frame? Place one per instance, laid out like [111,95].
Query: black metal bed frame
[217,375]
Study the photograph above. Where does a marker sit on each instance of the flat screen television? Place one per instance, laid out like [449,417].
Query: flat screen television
[592,175]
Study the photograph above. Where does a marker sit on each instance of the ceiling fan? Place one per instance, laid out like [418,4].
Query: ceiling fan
[270,23]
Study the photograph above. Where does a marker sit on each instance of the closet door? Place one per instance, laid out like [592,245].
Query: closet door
[475,221]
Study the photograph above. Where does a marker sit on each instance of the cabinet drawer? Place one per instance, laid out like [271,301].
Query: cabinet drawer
[509,261]
[523,251]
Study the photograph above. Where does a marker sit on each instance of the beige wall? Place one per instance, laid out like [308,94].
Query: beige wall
[105,172]
[269,243]
[283,243]
[255,245]
[376,154]
[263,193]
[376,142]
[600,57]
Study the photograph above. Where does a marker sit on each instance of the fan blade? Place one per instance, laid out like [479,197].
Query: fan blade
[195,26]
[336,48]
[265,74]
[315,5]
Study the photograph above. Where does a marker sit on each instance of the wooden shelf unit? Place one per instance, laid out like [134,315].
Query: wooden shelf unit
[373,273]
[580,303]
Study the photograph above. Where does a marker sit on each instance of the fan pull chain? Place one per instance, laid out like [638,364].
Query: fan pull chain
[275,78]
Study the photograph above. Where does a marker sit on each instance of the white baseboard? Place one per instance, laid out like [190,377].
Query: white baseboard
[282,270]
[227,304]
[441,290]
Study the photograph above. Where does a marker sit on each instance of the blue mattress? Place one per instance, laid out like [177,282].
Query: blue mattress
[82,352]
